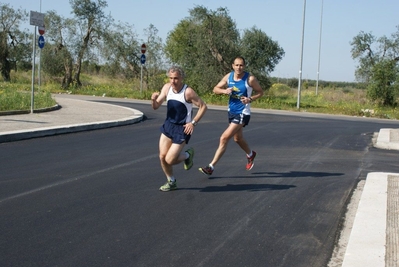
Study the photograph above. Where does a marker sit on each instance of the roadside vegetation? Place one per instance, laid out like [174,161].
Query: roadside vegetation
[18,97]
[91,53]
[332,98]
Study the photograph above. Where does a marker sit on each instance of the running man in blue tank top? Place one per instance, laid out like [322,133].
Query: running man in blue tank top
[179,124]
[240,86]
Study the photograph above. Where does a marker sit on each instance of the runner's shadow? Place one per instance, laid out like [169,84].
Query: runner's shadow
[291,174]
[297,174]
[241,187]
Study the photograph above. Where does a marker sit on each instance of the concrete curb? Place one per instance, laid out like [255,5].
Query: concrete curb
[366,246]
[388,139]
[48,131]
[18,112]
[16,135]
[373,240]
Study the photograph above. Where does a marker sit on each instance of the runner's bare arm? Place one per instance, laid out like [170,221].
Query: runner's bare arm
[220,88]
[158,98]
[192,97]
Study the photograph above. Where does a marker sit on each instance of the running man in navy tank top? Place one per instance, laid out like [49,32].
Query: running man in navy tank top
[179,124]
[240,86]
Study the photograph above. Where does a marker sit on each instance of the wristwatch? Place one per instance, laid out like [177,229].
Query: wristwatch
[194,122]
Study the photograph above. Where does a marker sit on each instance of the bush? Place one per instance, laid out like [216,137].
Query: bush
[383,86]
[279,89]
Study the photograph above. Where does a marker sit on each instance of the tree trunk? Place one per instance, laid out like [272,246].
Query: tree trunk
[80,57]
[67,80]
[77,72]
[5,70]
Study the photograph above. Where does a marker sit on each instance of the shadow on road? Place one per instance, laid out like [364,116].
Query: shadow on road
[241,187]
[291,174]
[297,174]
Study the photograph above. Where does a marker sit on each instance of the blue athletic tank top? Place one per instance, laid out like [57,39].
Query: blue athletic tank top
[179,111]
[240,88]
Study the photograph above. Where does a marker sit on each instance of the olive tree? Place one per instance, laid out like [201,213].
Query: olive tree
[92,22]
[384,82]
[155,60]
[206,43]
[120,49]
[56,54]
[261,53]
[378,65]
[14,43]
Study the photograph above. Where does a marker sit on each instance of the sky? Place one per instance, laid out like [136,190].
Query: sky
[338,21]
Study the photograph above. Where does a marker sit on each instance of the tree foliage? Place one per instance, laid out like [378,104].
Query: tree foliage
[378,65]
[206,43]
[56,55]
[14,44]
[155,60]
[384,82]
[121,49]
[93,23]
[261,53]
[362,50]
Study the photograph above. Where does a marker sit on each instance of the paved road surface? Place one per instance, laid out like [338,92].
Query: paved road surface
[110,212]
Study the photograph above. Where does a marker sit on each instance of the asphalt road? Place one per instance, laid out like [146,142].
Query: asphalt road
[92,199]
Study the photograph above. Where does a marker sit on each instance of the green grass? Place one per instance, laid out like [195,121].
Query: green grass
[343,101]
[18,97]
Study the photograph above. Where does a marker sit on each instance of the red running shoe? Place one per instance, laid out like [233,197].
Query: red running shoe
[250,163]
[206,170]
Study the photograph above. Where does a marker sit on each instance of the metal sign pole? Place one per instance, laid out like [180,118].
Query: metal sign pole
[33,72]
[40,55]
[141,82]
[36,19]
[40,61]
[142,60]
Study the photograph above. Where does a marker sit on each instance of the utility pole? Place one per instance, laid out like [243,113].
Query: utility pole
[298,103]
[318,65]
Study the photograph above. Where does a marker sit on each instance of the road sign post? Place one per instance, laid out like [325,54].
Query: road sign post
[142,60]
[41,30]
[33,74]
[41,41]
[37,20]
[141,79]
[143,48]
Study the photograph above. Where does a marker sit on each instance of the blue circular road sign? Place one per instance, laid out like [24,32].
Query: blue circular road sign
[41,41]
[142,59]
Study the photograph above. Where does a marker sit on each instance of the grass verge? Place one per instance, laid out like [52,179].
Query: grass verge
[18,97]
[339,101]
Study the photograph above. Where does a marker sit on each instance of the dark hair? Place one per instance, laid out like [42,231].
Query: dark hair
[176,69]
[239,57]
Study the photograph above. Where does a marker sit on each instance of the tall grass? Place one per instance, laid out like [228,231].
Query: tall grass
[17,97]
[329,100]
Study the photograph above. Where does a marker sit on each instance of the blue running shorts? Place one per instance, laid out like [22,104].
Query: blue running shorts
[175,132]
[239,118]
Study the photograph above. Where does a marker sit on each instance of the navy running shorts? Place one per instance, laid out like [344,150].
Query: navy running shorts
[239,118]
[175,132]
